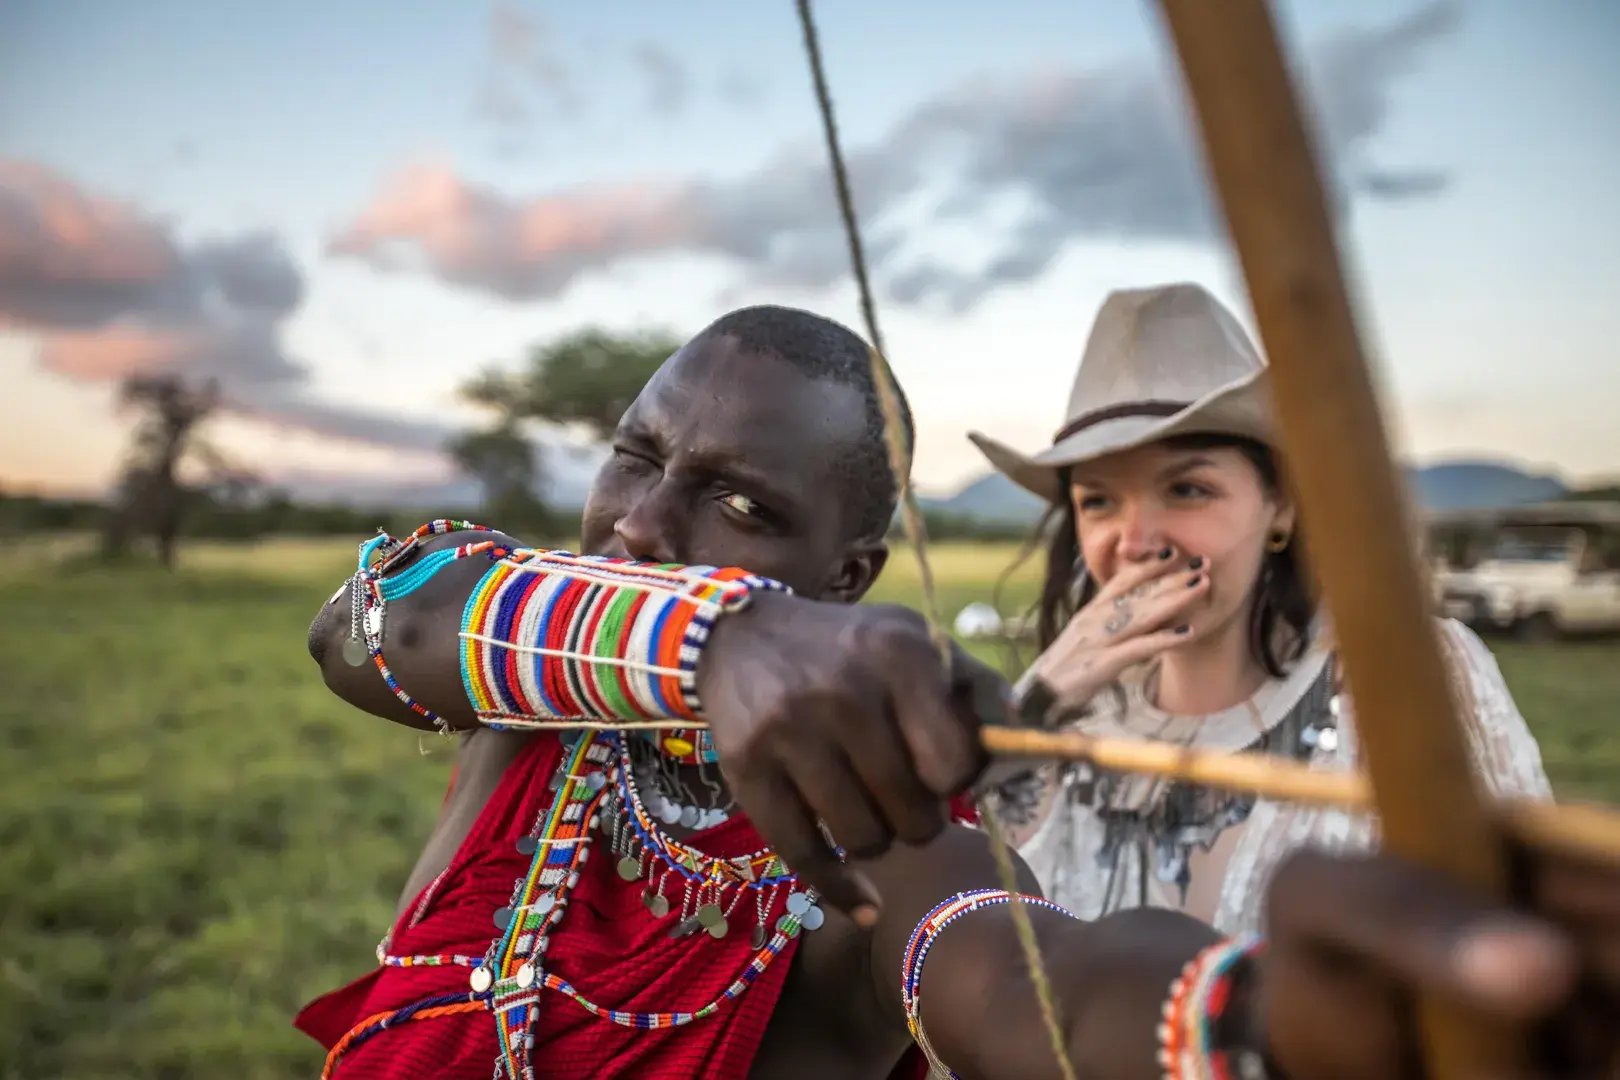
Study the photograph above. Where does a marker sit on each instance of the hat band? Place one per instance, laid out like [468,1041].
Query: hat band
[1114,412]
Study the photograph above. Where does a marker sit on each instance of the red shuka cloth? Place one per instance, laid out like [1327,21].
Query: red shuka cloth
[607,945]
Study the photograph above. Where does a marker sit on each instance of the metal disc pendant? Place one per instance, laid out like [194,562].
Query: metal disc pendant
[525,975]
[354,652]
[719,929]
[503,917]
[546,902]
[797,903]
[656,904]
[813,918]
[629,868]
[758,940]
[527,845]
[595,781]
[480,979]
[685,927]
[710,914]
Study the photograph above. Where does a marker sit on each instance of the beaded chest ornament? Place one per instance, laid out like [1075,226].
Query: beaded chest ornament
[596,799]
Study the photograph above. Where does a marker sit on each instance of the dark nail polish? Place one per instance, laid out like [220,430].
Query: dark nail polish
[1184,628]
[1196,562]
[1165,553]
[1196,578]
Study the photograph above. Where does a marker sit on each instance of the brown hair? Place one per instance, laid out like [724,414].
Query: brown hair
[1284,597]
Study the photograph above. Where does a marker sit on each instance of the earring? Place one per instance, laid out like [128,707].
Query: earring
[1277,542]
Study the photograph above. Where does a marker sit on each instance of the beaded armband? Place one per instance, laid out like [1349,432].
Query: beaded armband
[555,640]
[551,639]
[922,940]
[1193,1010]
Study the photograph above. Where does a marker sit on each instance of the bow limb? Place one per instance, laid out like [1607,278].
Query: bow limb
[1430,805]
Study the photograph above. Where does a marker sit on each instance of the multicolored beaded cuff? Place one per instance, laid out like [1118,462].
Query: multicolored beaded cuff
[922,940]
[1193,1009]
[550,639]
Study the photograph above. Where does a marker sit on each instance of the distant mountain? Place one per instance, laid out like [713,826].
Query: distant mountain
[992,498]
[1480,485]
[1454,485]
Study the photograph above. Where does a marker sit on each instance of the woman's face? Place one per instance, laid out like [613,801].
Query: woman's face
[1211,502]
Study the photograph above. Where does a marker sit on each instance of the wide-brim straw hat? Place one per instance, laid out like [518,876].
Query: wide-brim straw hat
[1160,362]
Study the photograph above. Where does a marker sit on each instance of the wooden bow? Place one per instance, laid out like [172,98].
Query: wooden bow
[1430,805]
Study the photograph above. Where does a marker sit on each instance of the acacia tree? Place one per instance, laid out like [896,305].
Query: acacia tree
[151,495]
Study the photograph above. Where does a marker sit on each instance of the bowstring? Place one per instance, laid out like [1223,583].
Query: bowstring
[913,526]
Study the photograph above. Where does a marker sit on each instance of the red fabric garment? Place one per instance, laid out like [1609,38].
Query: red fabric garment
[608,946]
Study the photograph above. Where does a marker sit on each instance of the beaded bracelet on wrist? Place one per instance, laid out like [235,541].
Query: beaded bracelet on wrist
[922,941]
[1193,1009]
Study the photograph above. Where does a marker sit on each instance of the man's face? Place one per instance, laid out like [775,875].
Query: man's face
[729,459]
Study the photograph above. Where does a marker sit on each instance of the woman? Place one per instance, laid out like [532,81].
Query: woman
[1176,607]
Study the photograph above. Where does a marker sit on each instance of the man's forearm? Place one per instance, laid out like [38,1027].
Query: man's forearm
[1108,982]
[547,636]
[979,1009]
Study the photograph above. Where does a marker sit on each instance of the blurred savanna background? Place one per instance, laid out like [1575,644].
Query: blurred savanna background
[271,278]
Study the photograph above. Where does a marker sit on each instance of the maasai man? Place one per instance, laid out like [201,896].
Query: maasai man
[685,946]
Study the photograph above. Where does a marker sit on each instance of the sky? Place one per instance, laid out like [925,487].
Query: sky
[341,212]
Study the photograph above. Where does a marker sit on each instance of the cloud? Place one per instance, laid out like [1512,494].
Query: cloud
[431,219]
[109,292]
[1082,154]
[668,83]
[525,72]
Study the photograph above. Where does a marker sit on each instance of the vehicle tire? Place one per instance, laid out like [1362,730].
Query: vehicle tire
[1539,628]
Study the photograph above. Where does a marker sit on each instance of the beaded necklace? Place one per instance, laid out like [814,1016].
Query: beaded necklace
[595,790]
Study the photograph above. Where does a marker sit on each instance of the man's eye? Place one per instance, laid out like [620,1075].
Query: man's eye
[630,459]
[742,504]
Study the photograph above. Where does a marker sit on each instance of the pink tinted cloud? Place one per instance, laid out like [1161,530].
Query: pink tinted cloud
[111,354]
[514,247]
[50,229]
[108,292]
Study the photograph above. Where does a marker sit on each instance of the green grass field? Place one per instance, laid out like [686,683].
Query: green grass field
[195,838]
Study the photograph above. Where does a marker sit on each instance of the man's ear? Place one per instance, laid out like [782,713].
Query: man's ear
[856,571]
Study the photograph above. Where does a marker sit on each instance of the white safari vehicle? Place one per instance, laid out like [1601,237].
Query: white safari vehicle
[1540,571]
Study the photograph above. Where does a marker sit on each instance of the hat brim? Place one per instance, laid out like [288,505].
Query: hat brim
[1242,409]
